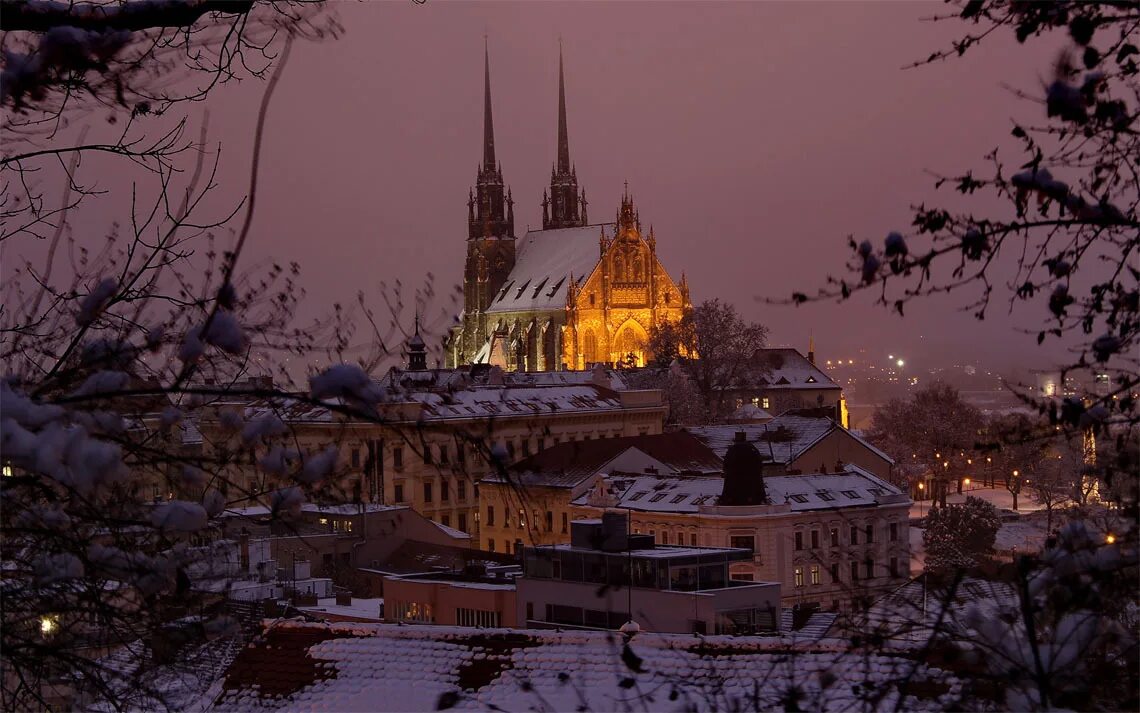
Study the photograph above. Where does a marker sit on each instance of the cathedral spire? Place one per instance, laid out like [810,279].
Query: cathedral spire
[566,209]
[488,124]
[563,139]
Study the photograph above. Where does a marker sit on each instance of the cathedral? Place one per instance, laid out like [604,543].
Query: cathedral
[568,296]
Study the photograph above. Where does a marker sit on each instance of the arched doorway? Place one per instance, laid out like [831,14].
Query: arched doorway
[630,344]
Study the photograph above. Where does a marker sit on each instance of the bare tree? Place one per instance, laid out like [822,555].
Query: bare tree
[935,429]
[716,349]
[109,346]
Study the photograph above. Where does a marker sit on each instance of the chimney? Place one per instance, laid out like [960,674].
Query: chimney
[743,474]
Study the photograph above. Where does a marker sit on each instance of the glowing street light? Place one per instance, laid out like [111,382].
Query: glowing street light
[1110,538]
[900,362]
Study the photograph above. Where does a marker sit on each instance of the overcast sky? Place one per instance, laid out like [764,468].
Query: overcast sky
[755,137]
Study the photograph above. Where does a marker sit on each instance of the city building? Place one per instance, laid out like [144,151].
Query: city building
[829,539]
[804,441]
[474,597]
[530,502]
[435,434]
[334,543]
[564,297]
[790,381]
[606,576]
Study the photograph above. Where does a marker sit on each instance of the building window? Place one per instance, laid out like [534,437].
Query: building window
[854,535]
[522,520]
[427,492]
[461,489]
[764,404]
[835,537]
[398,458]
[664,537]
[444,456]
[511,451]
[834,573]
[894,532]
[445,520]
[355,457]
[870,529]
[444,491]
[565,523]
[869,566]
[745,542]
[477,617]
[399,492]
[693,540]
[815,539]
[854,571]
[815,574]
[894,567]
[490,545]
[549,521]
[526,447]
[427,454]
[507,546]
[798,576]
[799,540]
[463,521]
[460,454]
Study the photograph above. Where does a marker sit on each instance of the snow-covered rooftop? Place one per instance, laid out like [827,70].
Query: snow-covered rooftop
[783,439]
[381,667]
[544,263]
[687,494]
[791,370]
[344,510]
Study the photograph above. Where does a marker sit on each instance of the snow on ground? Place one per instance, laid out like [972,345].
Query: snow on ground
[1026,533]
[1001,498]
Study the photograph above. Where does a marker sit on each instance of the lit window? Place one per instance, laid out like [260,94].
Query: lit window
[815,574]
[799,576]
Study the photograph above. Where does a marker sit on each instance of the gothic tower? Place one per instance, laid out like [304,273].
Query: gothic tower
[564,206]
[490,236]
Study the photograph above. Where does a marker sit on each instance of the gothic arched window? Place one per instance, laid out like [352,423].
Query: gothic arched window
[589,347]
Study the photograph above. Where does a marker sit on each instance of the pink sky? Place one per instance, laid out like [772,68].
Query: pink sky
[755,137]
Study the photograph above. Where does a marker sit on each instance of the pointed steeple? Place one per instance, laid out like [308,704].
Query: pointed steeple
[565,209]
[563,139]
[489,162]
[491,215]
[811,348]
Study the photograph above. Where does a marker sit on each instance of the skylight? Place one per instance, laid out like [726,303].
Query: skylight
[639,495]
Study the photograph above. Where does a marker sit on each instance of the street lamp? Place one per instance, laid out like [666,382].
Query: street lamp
[1110,538]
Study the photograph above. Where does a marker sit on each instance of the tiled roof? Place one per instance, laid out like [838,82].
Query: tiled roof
[384,667]
[568,464]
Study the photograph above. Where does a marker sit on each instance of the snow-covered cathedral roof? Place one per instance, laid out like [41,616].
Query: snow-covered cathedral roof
[544,262]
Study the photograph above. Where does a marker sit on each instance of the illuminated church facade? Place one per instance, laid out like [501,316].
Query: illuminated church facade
[568,296]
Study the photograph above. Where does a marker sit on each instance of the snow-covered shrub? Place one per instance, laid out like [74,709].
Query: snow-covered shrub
[960,536]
